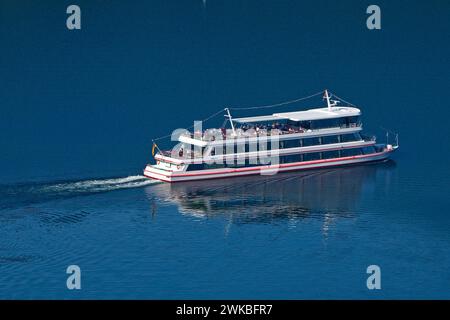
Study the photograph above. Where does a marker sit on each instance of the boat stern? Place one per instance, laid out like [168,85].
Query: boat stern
[165,169]
[157,173]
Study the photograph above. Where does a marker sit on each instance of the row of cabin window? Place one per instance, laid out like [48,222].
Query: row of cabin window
[325,123]
[287,158]
[320,140]
[294,143]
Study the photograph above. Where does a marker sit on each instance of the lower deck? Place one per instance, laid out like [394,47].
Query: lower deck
[184,174]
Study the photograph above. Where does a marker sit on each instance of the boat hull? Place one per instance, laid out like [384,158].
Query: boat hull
[153,173]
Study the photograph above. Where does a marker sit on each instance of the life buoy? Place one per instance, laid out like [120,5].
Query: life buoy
[178,166]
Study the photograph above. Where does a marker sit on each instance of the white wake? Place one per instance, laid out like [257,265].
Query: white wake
[98,185]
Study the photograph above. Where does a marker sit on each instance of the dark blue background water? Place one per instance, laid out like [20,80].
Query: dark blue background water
[79,108]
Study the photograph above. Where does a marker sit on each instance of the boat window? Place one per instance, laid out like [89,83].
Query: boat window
[310,142]
[330,139]
[350,137]
[295,143]
[311,156]
[351,152]
[290,158]
[330,154]
[196,166]
[368,150]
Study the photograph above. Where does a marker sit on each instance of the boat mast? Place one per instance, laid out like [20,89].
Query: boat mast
[327,96]
[228,115]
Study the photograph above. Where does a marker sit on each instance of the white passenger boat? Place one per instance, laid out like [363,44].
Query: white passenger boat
[269,144]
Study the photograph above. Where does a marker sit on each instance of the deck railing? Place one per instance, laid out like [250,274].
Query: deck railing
[241,133]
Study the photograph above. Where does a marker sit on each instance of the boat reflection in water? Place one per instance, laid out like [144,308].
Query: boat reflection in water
[324,194]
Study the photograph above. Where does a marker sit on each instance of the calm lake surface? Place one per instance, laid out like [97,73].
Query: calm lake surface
[79,110]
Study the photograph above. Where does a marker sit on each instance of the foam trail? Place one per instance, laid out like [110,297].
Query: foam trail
[25,194]
[100,185]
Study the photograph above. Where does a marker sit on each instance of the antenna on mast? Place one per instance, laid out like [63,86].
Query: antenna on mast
[327,97]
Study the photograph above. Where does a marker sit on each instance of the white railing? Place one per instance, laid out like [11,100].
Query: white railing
[251,132]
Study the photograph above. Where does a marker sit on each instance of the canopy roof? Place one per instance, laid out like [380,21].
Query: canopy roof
[311,114]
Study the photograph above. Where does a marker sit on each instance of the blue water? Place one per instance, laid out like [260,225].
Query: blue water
[79,108]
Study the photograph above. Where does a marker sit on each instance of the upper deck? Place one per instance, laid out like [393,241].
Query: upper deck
[288,125]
